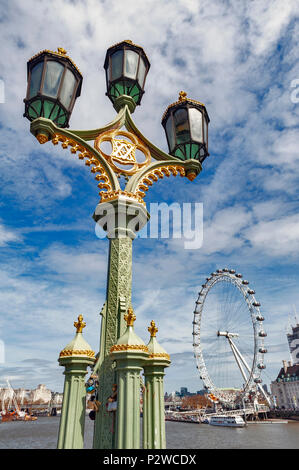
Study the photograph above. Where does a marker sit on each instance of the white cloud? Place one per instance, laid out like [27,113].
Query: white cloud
[278,237]
[8,236]
[266,22]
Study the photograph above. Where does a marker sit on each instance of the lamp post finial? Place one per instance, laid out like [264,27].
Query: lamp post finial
[80,324]
[130,317]
[153,329]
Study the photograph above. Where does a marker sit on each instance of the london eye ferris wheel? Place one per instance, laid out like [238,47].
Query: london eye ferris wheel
[228,338]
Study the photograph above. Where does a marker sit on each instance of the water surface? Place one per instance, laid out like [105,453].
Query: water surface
[42,434]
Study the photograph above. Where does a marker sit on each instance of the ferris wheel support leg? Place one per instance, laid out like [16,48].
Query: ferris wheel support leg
[233,346]
[265,395]
[235,353]
[239,355]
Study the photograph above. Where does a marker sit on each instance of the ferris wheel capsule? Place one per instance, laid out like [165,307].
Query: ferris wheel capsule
[232,271]
[251,291]
[225,270]
[262,334]
[258,381]
[245,282]
[263,350]
[261,366]
[260,318]
[256,304]
[239,276]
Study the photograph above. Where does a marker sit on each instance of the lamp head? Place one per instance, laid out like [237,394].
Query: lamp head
[186,126]
[54,84]
[126,66]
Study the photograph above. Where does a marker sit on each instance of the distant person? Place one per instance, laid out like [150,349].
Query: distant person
[112,400]
[94,405]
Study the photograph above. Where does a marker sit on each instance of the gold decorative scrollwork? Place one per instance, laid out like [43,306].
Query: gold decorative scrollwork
[42,138]
[96,167]
[155,174]
[123,156]
[111,195]
[77,352]
[127,347]
[159,356]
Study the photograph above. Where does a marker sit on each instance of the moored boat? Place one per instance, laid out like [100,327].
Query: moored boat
[230,421]
[16,416]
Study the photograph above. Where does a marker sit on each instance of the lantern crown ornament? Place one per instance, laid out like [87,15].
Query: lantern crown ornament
[53,85]
[126,66]
[186,126]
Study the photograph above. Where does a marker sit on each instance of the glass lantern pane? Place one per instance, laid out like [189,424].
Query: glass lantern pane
[52,78]
[61,121]
[55,112]
[68,88]
[181,126]
[194,151]
[117,89]
[134,92]
[170,134]
[36,76]
[48,107]
[117,65]
[196,124]
[180,154]
[35,109]
[141,72]
[131,62]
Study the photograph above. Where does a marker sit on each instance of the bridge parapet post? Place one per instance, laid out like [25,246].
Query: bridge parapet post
[75,357]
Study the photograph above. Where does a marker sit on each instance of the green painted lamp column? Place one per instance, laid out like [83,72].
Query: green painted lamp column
[75,357]
[130,353]
[153,404]
[121,218]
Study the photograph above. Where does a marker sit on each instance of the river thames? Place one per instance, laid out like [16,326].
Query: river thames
[42,434]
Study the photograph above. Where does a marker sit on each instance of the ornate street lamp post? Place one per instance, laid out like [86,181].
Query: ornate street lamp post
[54,83]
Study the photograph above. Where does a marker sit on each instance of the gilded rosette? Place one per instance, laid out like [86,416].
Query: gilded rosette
[124,145]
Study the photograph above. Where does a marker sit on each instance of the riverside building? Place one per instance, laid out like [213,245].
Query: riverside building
[285,389]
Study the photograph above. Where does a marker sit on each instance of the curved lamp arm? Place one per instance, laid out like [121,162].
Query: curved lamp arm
[141,181]
[45,129]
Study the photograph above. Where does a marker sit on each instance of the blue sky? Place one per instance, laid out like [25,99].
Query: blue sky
[240,59]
